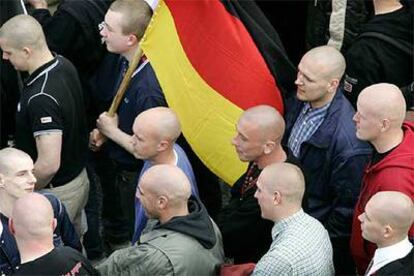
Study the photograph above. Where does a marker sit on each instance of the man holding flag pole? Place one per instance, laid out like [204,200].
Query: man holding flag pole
[138,90]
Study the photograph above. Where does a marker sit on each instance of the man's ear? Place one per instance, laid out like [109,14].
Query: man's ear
[162,202]
[388,231]
[132,40]
[385,125]
[54,224]
[11,227]
[27,51]
[163,145]
[269,147]
[333,85]
[2,180]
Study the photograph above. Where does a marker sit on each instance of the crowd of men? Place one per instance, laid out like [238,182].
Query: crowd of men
[328,190]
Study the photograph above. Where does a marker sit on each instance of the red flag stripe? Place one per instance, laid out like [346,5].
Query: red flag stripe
[222,51]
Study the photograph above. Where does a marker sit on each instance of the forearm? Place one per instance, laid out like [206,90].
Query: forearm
[121,138]
[44,172]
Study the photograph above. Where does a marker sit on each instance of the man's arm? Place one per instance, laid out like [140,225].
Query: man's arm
[108,126]
[142,259]
[346,180]
[49,146]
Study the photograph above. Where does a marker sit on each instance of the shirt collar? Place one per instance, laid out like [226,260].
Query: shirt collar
[386,255]
[308,108]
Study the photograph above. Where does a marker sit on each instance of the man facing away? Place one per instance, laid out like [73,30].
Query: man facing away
[32,223]
[50,118]
[16,180]
[386,221]
[380,120]
[245,234]
[321,134]
[180,240]
[155,132]
[301,244]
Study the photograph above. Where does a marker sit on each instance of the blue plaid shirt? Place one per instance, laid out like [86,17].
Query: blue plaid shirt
[305,126]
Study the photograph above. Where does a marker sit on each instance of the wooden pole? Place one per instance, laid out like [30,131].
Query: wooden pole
[125,82]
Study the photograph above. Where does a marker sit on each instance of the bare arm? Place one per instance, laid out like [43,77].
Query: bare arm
[108,126]
[49,148]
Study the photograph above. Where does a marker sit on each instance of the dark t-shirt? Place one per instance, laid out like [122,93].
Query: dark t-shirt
[52,102]
[59,261]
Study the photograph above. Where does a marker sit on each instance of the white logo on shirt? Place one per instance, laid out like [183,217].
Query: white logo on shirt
[45,120]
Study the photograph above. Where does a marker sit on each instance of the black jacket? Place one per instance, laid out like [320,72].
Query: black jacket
[371,60]
[319,22]
[404,266]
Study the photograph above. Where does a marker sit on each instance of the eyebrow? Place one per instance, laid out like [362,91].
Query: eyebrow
[108,26]
[305,75]
[241,134]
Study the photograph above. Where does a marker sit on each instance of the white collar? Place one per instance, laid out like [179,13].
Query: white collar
[386,255]
[175,156]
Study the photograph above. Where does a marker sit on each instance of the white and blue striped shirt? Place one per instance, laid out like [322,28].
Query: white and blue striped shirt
[305,126]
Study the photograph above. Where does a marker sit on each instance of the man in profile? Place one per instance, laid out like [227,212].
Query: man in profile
[301,244]
[386,221]
[17,180]
[181,239]
[380,121]
[50,118]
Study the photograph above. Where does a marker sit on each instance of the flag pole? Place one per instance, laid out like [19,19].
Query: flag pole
[125,82]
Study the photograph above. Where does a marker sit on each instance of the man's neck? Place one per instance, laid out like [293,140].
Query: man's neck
[276,156]
[388,141]
[168,215]
[34,250]
[40,60]
[383,7]
[129,55]
[6,204]
[165,157]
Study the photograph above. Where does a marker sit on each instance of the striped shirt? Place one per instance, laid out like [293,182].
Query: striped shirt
[308,121]
[300,246]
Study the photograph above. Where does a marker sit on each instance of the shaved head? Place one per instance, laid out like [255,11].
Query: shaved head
[161,122]
[23,31]
[286,178]
[383,101]
[392,208]
[33,218]
[9,157]
[168,181]
[267,119]
[136,15]
[329,61]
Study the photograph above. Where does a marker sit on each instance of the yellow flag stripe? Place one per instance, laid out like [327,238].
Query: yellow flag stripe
[207,118]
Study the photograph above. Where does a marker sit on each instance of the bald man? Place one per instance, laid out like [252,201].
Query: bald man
[17,180]
[50,118]
[257,141]
[34,236]
[380,121]
[321,134]
[180,240]
[301,244]
[386,221]
[155,132]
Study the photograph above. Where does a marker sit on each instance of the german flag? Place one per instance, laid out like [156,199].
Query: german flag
[213,60]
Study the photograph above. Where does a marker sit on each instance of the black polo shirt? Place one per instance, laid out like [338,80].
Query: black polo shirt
[52,101]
